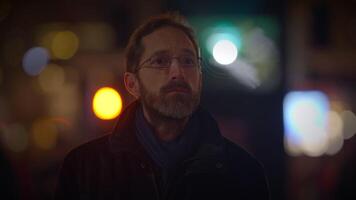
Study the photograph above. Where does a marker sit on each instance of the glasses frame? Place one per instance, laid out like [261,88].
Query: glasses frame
[140,66]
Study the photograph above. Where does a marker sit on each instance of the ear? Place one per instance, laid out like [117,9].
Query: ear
[131,84]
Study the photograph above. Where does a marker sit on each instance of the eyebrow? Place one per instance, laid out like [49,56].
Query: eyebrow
[188,51]
[164,52]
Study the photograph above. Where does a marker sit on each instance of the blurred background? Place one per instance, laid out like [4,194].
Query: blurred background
[279,76]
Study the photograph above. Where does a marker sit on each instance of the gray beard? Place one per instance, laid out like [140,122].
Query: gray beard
[177,106]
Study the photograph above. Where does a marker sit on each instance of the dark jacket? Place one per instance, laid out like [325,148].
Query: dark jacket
[116,166]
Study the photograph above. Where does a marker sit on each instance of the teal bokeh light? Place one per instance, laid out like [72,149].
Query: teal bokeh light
[256,39]
[227,33]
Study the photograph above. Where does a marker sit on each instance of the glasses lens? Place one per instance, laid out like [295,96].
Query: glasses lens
[161,61]
[188,61]
[164,61]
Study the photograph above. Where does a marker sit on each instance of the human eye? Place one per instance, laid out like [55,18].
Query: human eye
[188,60]
[160,61]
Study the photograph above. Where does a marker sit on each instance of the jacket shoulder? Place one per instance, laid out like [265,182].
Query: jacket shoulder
[242,161]
[91,149]
[237,153]
[248,168]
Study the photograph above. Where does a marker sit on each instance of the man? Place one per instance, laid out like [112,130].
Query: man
[165,146]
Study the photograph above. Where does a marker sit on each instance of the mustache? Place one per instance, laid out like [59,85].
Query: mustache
[173,85]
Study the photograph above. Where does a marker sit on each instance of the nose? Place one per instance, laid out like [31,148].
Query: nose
[175,70]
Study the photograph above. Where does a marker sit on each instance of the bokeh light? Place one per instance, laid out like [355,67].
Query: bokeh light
[221,32]
[225,52]
[305,118]
[65,102]
[44,134]
[107,103]
[257,52]
[313,127]
[262,53]
[35,60]
[335,137]
[51,78]
[291,148]
[349,119]
[260,48]
[245,73]
[15,137]
[64,45]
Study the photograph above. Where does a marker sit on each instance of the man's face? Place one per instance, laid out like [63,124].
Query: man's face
[173,92]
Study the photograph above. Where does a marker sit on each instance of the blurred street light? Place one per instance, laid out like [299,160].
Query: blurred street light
[107,103]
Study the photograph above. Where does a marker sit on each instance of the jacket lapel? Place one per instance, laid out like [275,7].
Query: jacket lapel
[123,141]
[207,159]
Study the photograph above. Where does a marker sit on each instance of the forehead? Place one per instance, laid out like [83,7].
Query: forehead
[167,39]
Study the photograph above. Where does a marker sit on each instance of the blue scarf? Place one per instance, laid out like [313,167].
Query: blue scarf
[167,155]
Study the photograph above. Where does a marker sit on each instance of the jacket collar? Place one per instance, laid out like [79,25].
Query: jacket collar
[123,137]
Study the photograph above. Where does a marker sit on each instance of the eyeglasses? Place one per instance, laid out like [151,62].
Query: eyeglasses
[163,62]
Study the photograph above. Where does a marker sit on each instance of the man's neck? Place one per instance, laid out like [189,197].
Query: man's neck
[165,129]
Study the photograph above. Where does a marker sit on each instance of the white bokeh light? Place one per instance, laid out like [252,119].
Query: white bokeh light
[245,73]
[225,52]
[305,118]
[335,136]
[349,120]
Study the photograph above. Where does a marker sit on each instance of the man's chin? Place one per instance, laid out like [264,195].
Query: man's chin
[173,105]
[175,109]
[176,114]
[178,98]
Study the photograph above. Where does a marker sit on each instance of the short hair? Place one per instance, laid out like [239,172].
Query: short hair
[134,48]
